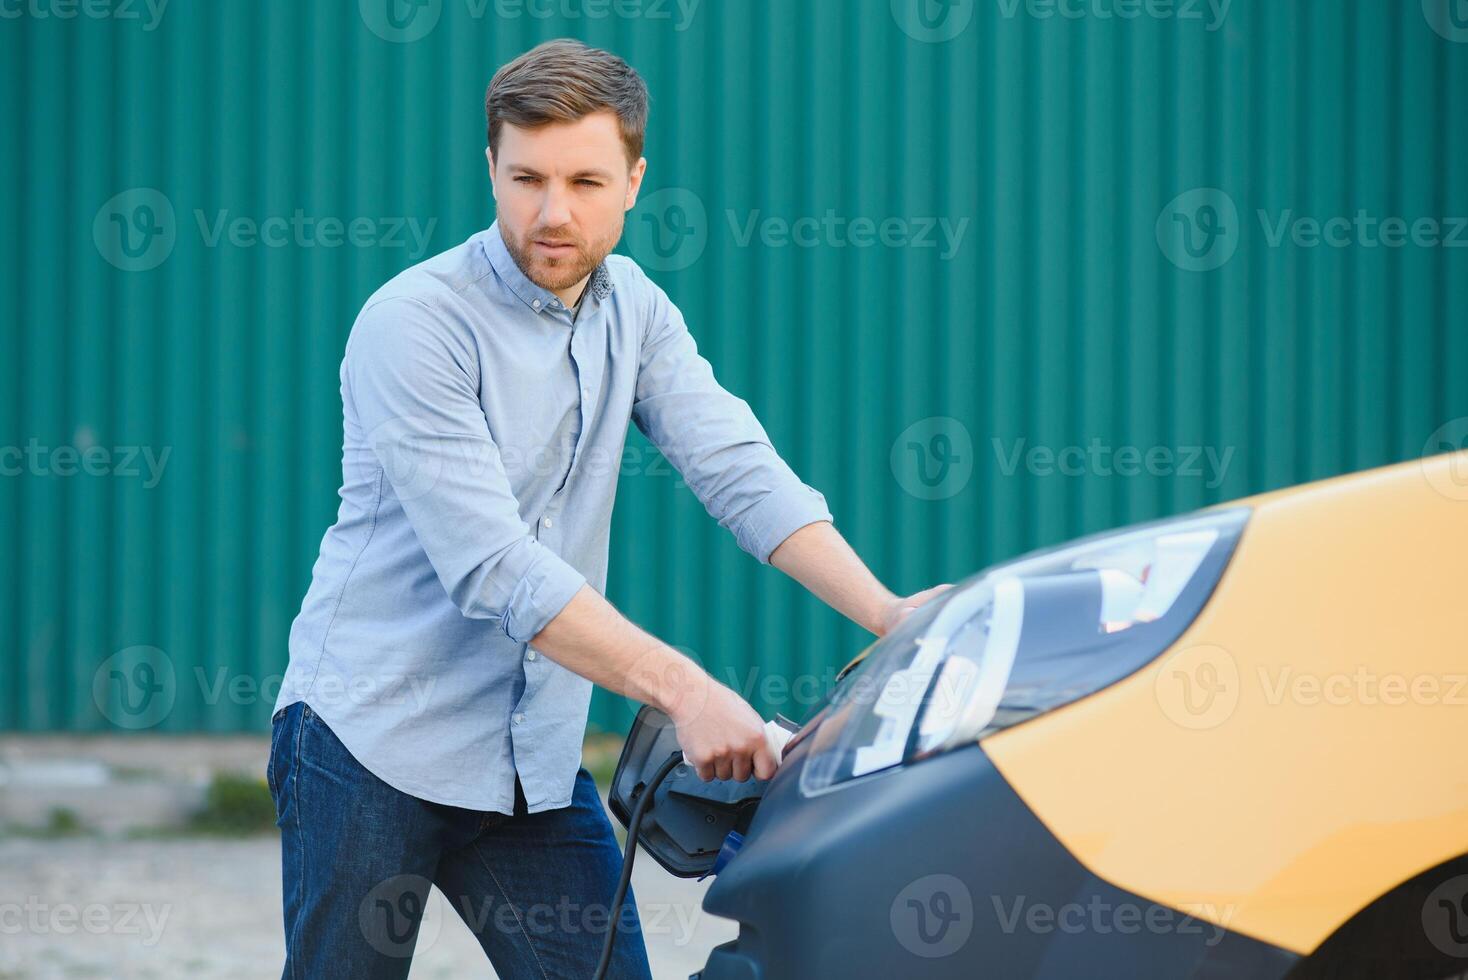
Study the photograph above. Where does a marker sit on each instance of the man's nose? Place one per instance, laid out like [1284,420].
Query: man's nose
[555,210]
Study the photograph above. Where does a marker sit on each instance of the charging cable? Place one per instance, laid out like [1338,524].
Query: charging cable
[776,735]
[643,804]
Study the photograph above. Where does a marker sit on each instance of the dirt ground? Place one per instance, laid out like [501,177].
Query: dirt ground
[210,909]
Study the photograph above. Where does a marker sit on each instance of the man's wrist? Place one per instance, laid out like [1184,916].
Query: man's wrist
[676,685]
[879,612]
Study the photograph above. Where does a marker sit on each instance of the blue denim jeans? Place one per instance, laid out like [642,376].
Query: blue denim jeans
[358,859]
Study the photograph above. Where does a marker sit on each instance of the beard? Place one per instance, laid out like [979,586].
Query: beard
[554,272]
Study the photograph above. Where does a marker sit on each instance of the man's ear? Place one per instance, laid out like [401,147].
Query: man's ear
[489,158]
[634,183]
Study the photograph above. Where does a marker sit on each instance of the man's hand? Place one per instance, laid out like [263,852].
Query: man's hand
[900,607]
[722,736]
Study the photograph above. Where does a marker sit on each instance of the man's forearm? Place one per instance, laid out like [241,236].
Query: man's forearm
[591,638]
[818,557]
[719,734]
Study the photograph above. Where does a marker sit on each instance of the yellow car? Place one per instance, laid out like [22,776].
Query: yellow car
[1225,744]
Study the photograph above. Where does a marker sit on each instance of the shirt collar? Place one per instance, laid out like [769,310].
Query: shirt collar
[536,297]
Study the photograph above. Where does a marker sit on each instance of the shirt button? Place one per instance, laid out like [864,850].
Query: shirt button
[546,521]
[535,303]
[531,655]
[519,717]
[586,392]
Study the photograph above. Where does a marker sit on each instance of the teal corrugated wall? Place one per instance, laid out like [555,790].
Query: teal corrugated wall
[1128,266]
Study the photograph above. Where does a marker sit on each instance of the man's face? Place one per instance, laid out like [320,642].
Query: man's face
[561,192]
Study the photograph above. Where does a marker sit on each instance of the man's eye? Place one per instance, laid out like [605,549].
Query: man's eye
[525,179]
[585,182]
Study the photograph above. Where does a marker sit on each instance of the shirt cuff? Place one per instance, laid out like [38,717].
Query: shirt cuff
[778,515]
[545,588]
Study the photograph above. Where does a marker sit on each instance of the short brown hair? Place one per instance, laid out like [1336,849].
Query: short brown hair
[562,81]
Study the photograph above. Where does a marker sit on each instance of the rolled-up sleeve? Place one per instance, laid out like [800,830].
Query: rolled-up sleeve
[714,440]
[411,383]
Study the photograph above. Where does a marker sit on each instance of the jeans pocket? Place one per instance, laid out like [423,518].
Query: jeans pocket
[277,724]
[279,764]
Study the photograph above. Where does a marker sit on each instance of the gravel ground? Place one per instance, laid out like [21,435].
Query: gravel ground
[206,909]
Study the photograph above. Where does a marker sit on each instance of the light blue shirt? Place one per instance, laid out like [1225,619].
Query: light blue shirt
[483,433]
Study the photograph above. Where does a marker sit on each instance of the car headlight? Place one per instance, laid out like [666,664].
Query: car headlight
[1017,640]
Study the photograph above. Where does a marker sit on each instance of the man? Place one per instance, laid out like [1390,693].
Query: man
[429,725]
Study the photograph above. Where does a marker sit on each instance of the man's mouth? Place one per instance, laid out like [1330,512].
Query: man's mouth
[552,247]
